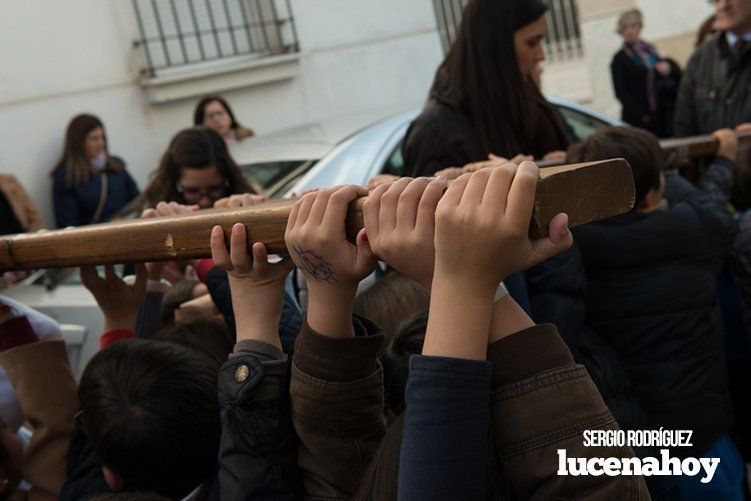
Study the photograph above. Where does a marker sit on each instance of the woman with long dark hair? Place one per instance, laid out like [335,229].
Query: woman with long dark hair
[196,169]
[483,100]
[89,184]
[215,113]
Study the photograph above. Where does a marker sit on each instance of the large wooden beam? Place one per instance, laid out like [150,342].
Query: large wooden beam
[680,148]
[586,192]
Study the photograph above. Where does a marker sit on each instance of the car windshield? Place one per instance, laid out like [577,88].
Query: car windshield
[262,175]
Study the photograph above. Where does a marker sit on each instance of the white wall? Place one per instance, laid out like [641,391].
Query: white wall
[63,57]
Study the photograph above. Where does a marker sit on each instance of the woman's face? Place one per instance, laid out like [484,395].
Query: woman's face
[201,186]
[528,45]
[215,117]
[94,144]
[631,30]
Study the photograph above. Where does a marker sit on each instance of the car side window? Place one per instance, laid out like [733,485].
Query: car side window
[584,125]
[394,165]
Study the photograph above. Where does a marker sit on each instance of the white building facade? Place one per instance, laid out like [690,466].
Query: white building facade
[278,62]
[64,57]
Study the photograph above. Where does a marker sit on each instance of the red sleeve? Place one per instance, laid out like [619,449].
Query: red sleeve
[203,268]
[111,337]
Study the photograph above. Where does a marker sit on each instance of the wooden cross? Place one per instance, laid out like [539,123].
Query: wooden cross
[586,192]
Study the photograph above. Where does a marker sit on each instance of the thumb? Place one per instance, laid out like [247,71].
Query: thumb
[559,239]
[364,257]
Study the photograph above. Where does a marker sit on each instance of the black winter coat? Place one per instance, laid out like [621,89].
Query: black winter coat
[714,92]
[441,136]
[652,296]
[630,81]
[557,294]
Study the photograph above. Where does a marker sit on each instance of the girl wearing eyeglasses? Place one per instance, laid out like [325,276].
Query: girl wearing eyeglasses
[196,169]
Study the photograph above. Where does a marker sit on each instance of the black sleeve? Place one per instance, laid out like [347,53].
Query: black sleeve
[444,445]
[624,86]
[424,151]
[257,452]
[684,123]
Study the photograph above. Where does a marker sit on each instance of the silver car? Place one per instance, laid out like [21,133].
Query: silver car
[343,150]
[377,150]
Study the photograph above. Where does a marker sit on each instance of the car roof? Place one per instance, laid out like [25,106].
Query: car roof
[309,141]
[352,160]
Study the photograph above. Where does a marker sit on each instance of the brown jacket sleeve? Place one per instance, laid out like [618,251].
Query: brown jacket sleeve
[541,402]
[337,408]
[25,209]
[34,218]
[40,373]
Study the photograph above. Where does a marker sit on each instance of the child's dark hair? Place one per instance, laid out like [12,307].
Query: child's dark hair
[640,148]
[407,341]
[392,300]
[150,411]
[206,336]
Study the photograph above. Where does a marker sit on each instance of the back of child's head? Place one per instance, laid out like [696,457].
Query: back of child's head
[407,341]
[207,336]
[392,300]
[150,411]
[639,147]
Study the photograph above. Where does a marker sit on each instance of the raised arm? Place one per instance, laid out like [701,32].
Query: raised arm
[258,444]
[337,384]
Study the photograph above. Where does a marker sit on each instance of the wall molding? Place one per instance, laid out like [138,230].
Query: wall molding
[197,80]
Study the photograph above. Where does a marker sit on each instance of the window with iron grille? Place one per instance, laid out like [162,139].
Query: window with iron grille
[178,33]
[562,41]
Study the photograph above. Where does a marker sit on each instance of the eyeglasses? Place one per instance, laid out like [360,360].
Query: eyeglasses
[213,192]
[215,114]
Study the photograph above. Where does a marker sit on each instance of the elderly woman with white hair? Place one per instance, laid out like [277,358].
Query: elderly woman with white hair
[645,83]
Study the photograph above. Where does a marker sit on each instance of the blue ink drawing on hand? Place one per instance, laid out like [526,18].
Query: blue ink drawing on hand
[315,265]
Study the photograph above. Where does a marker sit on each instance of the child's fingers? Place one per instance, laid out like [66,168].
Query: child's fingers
[372,208]
[141,278]
[89,276]
[476,187]
[164,209]
[409,201]
[454,193]
[238,247]
[499,184]
[338,204]
[109,273]
[305,204]
[318,210]
[428,203]
[293,216]
[219,249]
[365,259]
[260,257]
[390,202]
[521,195]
